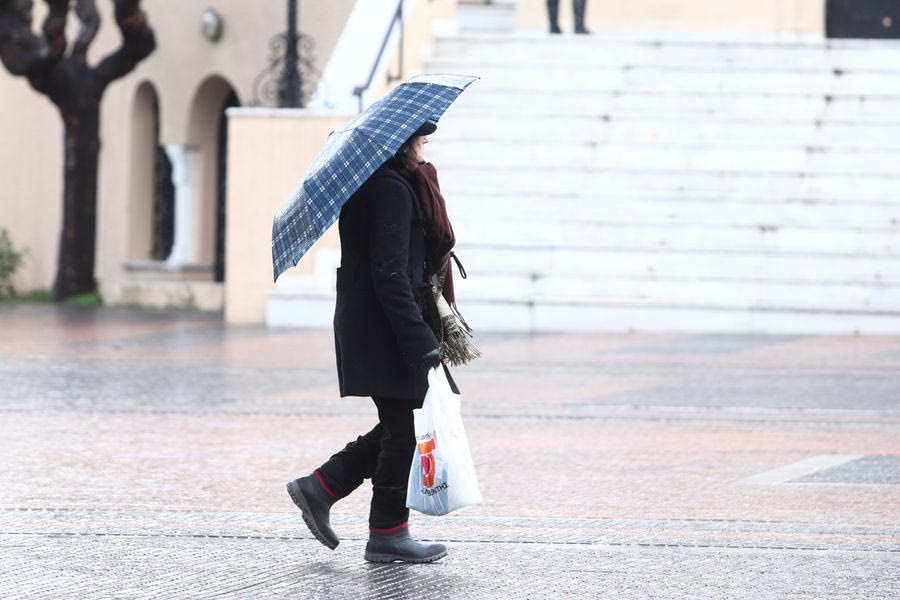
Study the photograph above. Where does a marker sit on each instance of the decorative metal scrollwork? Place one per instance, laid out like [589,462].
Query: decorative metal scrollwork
[286,80]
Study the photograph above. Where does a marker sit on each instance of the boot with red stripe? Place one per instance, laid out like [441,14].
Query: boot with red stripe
[394,544]
[313,497]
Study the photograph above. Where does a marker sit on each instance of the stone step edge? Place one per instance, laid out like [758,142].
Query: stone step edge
[588,144]
[320,289]
[636,303]
[756,253]
[835,70]
[814,120]
[659,38]
[673,198]
[500,318]
[464,217]
[793,175]
[620,92]
[522,274]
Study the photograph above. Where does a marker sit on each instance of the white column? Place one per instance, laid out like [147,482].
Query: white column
[184,163]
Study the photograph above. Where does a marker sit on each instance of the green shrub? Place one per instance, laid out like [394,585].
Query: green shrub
[10,260]
[36,296]
[86,299]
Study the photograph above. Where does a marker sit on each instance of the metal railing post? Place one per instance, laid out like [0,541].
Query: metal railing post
[359,90]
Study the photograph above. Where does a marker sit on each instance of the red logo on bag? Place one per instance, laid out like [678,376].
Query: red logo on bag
[425,451]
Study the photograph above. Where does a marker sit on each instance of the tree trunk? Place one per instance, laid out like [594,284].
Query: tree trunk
[75,274]
[76,89]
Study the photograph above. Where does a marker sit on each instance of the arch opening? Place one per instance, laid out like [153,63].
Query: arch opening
[151,194]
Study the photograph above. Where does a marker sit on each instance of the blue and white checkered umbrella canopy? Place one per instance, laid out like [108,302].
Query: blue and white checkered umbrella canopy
[351,155]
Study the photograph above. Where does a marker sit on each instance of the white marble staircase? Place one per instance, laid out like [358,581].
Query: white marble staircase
[669,181]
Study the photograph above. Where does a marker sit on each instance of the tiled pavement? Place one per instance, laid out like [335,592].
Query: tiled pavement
[145,454]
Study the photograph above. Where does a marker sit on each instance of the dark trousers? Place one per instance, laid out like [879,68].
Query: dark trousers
[578,7]
[383,455]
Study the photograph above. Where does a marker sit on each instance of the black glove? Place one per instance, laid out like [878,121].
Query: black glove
[431,359]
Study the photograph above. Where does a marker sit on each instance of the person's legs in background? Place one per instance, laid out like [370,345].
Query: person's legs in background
[578,8]
[553,15]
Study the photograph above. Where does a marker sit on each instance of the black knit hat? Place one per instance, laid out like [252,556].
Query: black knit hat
[427,129]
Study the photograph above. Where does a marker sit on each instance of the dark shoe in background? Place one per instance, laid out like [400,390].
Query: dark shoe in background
[396,545]
[314,500]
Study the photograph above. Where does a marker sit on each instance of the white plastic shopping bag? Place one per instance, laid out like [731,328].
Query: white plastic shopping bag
[442,478]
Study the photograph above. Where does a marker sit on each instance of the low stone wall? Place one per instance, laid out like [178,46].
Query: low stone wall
[268,152]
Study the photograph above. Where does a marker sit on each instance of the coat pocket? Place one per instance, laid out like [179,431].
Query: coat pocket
[344,279]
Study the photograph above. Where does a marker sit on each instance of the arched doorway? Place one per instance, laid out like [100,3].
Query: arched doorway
[222,184]
[208,136]
[151,194]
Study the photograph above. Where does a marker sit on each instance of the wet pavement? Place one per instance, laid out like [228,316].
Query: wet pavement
[145,455]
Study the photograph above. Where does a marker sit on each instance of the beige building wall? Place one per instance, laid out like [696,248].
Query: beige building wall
[781,16]
[30,179]
[191,77]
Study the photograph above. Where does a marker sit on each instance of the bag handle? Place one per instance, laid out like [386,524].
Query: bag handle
[438,379]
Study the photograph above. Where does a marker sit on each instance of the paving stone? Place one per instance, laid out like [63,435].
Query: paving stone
[875,470]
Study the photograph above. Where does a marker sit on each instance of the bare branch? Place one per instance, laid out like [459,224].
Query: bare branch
[86,11]
[55,29]
[138,42]
[23,52]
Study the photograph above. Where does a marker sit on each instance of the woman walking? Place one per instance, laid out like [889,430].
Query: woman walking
[384,347]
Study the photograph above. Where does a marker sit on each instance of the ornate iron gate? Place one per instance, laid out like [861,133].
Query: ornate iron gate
[163,196]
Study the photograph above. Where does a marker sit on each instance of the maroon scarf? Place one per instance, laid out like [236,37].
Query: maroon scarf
[439,238]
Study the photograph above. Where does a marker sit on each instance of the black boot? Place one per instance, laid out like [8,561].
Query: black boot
[553,15]
[578,7]
[314,499]
[395,545]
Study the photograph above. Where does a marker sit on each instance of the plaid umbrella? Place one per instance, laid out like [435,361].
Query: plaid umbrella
[351,155]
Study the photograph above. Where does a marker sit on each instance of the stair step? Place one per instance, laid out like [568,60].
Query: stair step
[527,317]
[469,185]
[473,205]
[698,157]
[685,79]
[708,238]
[483,261]
[673,40]
[547,317]
[594,64]
[720,294]
[801,185]
[600,50]
[866,108]
[769,130]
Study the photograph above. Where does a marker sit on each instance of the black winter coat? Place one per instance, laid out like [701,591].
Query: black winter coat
[379,333]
